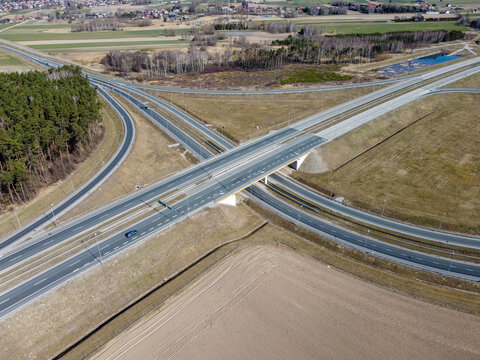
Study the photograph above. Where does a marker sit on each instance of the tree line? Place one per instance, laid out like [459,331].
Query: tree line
[377,9]
[98,25]
[47,120]
[276,27]
[310,47]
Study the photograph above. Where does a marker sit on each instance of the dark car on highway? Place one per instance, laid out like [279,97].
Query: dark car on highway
[131,233]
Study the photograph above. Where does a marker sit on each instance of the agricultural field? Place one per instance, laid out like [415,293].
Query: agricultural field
[423,171]
[268,302]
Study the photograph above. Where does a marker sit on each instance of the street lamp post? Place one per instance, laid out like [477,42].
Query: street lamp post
[99,252]
[384,203]
[451,260]
[15,211]
[441,221]
[53,216]
[71,182]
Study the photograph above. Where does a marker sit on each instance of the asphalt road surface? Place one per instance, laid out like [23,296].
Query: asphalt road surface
[440,236]
[212,191]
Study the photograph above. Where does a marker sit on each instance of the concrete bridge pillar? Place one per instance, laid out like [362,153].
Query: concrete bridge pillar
[230,200]
[297,163]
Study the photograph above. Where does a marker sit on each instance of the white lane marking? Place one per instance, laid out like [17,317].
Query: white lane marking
[108,252]
[76,269]
[159,225]
[150,229]
[468,270]
[74,263]
[436,262]
[125,243]
[103,216]
[48,242]
[15,258]
[142,233]
[38,282]
[4,301]
[116,248]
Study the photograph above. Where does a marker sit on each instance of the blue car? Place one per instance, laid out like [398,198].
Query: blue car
[131,233]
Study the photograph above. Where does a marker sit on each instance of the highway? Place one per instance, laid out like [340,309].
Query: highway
[211,191]
[394,253]
[218,187]
[375,220]
[177,181]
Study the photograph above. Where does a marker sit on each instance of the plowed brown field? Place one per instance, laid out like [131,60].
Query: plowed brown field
[267,302]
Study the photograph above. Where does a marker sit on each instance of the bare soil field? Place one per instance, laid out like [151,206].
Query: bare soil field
[46,326]
[420,173]
[267,302]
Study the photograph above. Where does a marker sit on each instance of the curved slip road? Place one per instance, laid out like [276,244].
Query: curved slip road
[375,220]
[444,266]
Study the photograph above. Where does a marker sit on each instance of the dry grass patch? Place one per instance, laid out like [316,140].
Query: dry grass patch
[428,169]
[62,189]
[149,161]
[241,114]
[468,82]
[48,325]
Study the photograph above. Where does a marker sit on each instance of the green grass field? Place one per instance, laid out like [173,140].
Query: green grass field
[7,59]
[39,32]
[306,3]
[369,28]
[106,44]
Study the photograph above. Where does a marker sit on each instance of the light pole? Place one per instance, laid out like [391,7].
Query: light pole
[53,216]
[384,203]
[451,260]
[441,221]
[15,211]
[99,252]
[71,182]
[366,239]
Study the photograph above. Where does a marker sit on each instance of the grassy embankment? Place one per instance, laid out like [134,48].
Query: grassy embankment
[428,169]
[242,114]
[12,63]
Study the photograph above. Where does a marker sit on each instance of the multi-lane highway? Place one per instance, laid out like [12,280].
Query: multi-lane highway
[375,220]
[394,253]
[211,191]
[233,170]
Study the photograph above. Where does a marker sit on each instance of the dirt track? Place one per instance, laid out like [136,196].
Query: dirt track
[268,302]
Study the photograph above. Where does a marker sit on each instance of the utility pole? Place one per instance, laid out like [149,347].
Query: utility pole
[384,203]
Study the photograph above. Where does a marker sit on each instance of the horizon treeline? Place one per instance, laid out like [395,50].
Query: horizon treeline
[309,47]
[47,119]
